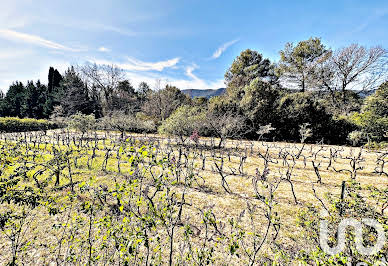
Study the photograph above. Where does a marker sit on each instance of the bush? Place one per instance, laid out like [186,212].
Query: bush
[338,130]
[374,126]
[82,122]
[356,137]
[126,123]
[14,124]
[300,108]
[183,122]
[373,118]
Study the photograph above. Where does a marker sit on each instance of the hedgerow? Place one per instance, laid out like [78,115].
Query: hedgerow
[14,124]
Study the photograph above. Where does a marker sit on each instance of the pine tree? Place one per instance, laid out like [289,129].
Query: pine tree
[14,100]
[54,92]
[125,98]
[75,94]
[35,100]
[2,104]
[54,79]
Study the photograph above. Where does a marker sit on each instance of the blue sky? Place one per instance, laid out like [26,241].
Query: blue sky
[185,43]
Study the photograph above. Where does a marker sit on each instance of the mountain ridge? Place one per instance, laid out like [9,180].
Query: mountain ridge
[204,93]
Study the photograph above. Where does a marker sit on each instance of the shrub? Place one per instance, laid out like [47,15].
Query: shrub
[183,122]
[82,123]
[14,124]
[373,118]
[356,137]
[299,108]
[305,132]
[145,126]
[58,117]
[126,123]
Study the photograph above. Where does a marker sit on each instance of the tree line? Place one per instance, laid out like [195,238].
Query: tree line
[312,88]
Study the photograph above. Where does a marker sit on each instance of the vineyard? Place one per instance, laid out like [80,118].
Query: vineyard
[107,198]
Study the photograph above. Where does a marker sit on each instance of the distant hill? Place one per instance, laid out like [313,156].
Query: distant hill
[204,93]
[364,94]
[211,93]
[361,94]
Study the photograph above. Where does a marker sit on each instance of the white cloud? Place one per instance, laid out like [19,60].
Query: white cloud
[90,26]
[190,70]
[33,39]
[133,64]
[152,77]
[104,49]
[223,48]
[198,84]
[193,83]
[182,84]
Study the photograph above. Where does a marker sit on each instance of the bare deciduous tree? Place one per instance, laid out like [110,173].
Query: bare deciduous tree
[227,125]
[160,104]
[105,78]
[354,67]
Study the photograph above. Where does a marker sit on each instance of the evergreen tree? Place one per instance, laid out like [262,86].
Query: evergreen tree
[35,100]
[75,97]
[143,90]
[54,93]
[125,98]
[248,66]
[54,79]
[299,63]
[2,106]
[373,119]
[14,100]
[95,102]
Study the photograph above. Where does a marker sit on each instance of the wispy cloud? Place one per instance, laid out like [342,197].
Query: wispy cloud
[372,18]
[223,48]
[190,70]
[33,39]
[138,71]
[195,82]
[133,64]
[118,30]
[180,83]
[104,49]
